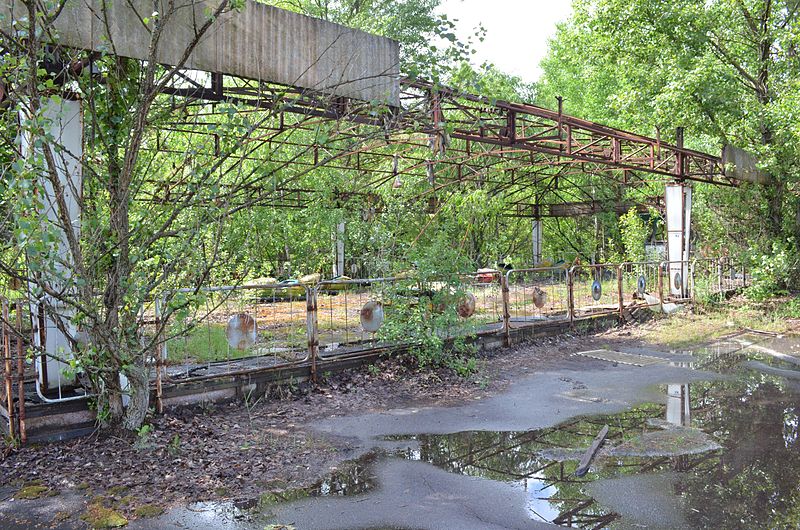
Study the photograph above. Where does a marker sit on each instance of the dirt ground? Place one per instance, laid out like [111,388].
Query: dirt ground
[237,451]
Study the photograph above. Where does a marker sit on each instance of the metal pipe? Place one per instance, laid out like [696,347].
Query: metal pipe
[571,294]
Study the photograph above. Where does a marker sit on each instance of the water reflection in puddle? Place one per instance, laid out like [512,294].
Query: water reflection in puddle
[732,444]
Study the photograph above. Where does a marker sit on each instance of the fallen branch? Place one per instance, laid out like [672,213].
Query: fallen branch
[590,453]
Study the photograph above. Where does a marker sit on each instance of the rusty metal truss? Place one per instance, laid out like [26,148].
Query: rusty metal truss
[439,139]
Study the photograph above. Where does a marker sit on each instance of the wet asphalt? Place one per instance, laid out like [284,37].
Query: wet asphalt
[417,495]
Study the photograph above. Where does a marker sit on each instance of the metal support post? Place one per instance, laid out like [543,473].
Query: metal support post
[504,289]
[9,386]
[571,294]
[312,330]
[621,299]
[23,435]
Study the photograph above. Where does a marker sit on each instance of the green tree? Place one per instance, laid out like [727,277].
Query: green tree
[724,69]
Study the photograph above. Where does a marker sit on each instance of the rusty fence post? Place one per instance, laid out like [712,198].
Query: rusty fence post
[571,294]
[505,291]
[159,357]
[661,281]
[23,436]
[312,330]
[7,367]
[620,294]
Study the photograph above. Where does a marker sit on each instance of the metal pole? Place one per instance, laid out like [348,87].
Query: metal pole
[312,330]
[571,294]
[9,387]
[23,436]
[619,290]
[504,289]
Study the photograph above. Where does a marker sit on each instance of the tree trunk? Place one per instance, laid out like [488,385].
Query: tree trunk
[139,388]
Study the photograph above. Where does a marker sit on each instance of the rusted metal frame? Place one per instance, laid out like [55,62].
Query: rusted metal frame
[23,435]
[630,155]
[591,127]
[229,290]
[542,113]
[327,112]
[7,371]
[578,157]
[593,142]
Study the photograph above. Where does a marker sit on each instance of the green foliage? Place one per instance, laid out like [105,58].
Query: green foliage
[421,311]
[726,71]
[633,234]
[772,272]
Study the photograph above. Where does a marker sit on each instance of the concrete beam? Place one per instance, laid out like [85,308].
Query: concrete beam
[741,165]
[258,42]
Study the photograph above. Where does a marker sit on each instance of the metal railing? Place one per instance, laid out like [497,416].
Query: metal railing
[537,295]
[596,290]
[234,328]
[642,283]
[246,328]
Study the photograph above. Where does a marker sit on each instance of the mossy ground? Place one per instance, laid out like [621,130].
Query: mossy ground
[98,516]
[31,492]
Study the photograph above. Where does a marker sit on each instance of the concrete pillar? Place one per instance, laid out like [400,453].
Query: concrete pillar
[678,405]
[64,121]
[679,221]
[338,250]
[536,240]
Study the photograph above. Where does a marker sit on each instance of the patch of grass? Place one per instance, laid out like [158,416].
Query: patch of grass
[148,510]
[683,330]
[203,344]
[686,330]
[208,343]
[98,516]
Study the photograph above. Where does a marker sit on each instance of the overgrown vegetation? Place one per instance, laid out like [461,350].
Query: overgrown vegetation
[204,207]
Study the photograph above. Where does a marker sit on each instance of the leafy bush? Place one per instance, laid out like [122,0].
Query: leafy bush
[772,273]
[421,310]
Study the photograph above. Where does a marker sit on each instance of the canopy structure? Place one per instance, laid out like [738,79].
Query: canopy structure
[385,129]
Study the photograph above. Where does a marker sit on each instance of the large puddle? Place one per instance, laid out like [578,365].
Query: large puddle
[721,454]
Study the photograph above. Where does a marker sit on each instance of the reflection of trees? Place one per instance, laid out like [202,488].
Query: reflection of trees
[753,483]
[515,456]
